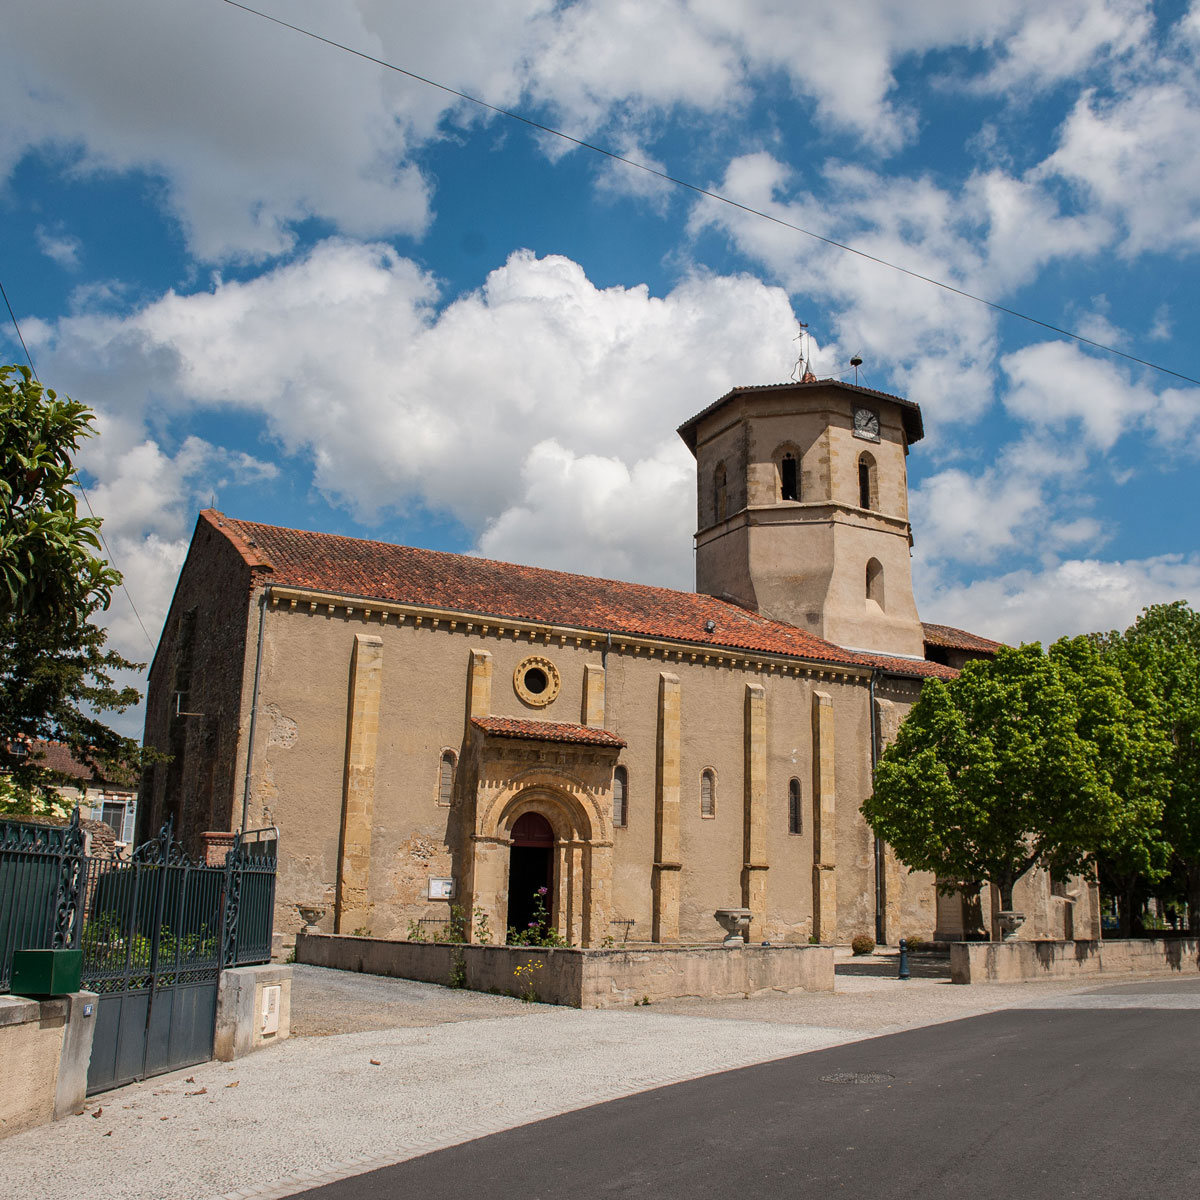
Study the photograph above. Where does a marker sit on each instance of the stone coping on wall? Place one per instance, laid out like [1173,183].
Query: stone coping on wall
[45,1047]
[608,977]
[1025,961]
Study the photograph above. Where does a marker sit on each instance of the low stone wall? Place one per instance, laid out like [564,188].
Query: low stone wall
[45,1048]
[1021,962]
[578,978]
[254,1009]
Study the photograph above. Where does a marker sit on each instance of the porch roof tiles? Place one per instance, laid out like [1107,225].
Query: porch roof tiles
[547,731]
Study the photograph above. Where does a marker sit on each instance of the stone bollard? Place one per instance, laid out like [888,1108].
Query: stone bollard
[904,972]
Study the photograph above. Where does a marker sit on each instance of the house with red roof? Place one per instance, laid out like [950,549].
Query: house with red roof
[430,729]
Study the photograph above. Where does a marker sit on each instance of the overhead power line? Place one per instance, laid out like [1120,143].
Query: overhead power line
[79,483]
[711,195]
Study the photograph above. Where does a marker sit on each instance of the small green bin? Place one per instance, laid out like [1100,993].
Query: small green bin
[45,972]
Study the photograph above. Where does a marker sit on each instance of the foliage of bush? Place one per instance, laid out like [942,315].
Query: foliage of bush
[862,944]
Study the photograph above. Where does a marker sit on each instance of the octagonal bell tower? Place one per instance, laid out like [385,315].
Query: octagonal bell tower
[802,509]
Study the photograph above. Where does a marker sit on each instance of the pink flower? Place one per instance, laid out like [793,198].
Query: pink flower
[542,891]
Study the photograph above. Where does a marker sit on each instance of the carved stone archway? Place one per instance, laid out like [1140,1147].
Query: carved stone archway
[570,786]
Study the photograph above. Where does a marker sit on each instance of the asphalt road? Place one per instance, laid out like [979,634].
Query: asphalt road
[1073,1102]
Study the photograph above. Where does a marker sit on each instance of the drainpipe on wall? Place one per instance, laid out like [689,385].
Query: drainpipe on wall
[262,612]
[879,915]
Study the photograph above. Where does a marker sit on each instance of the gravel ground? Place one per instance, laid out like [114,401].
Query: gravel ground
[384,1069]
[326,1002]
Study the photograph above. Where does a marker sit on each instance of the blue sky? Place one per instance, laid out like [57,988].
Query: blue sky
[326,295]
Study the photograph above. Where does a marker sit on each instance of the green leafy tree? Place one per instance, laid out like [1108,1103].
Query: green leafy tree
[57,678]
[1118,716]
[1160,657]
[995,772]
[50,561]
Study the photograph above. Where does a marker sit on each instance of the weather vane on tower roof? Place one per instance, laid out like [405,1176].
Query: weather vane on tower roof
[802,371]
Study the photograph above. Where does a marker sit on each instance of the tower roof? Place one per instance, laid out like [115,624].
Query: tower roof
[914,429]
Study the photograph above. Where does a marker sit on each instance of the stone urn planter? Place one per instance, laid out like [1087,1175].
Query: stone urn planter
[736,923]
[310,914]
[1009,923]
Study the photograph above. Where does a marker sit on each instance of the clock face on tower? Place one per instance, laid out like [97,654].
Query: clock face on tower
[866,424]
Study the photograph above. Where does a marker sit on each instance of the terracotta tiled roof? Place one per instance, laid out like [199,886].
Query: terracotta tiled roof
[919,668]
[914,428]
[460,583]
[547,731]
[958,639]
[57,757]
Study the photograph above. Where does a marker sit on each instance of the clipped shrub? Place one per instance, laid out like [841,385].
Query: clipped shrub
[915,943]
[862,944]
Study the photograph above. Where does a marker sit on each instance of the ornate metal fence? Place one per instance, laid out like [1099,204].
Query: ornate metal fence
[40,873]
[155,929]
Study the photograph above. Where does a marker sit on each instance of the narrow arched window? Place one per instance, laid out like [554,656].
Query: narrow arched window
[795,822]
[446,779]
[708,794]
[789,484]
[620,797]
[875,581]
[720,492]
[867,492]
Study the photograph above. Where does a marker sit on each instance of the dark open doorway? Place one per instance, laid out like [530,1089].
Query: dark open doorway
[530,867]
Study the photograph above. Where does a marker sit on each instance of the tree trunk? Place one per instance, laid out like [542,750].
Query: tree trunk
[1125,909]
[1193,898]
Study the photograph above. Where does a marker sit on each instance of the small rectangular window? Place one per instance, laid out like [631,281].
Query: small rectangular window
[113,815]
[708,802]
[787,479]
[446,780]
[620,794]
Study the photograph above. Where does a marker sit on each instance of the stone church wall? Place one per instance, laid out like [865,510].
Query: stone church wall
[202,670]
[300,763]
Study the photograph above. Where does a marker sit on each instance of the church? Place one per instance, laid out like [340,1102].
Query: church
[430,729]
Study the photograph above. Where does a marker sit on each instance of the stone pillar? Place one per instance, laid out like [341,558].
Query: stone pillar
[894,901]
[474,893]
[666,813]
[559,906]
[597,893]
[358,784]
[754,822]
[824,820]
[489,885]
[593,696]
[479,686]
[577,902]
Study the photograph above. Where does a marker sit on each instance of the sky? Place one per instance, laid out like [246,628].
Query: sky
[313,291]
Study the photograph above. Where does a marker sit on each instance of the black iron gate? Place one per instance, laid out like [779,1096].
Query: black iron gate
[155,929]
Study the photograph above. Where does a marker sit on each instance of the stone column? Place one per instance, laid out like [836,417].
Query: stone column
[754,822]
[578,903]
[593,696]
[560,910]
[824,820]
[666,813]
[358,783]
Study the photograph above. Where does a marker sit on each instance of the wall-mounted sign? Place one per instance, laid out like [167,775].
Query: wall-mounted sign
[441,889]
